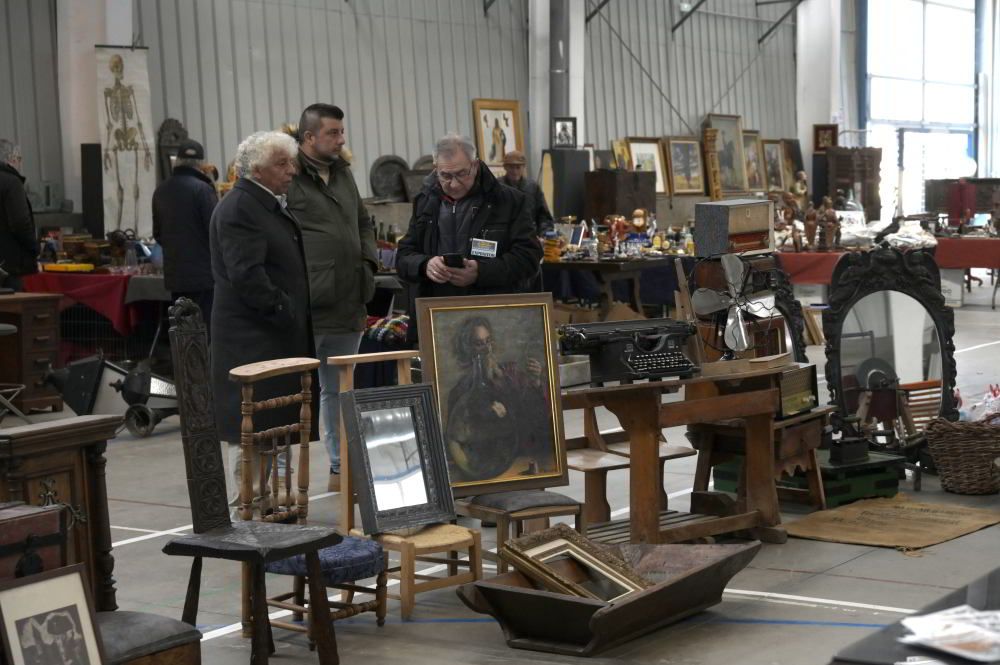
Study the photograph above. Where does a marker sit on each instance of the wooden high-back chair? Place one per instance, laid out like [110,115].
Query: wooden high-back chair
[254,543]
[276,496]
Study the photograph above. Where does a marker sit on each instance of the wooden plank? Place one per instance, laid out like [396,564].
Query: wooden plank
[666,450]
[705,410]
[711,526]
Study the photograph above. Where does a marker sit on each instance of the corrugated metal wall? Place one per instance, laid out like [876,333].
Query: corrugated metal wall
[29,100]
[712,64]
[404,72]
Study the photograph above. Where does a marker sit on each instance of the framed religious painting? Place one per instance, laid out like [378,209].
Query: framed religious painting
[619,149]
[729,148]
[825,136]
[49,618]
[684,164]
[491,361]
[646,154]
[753,156]
[774,165]
[564,133]
[497,124]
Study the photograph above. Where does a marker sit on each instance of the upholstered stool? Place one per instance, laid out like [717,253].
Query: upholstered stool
[512,509]
[140,638]
[433,539]
[352,559]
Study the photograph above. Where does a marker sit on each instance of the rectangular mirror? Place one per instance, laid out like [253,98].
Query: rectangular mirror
[394,458]
[397,457]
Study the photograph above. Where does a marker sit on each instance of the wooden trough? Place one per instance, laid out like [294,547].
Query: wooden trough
[686,580]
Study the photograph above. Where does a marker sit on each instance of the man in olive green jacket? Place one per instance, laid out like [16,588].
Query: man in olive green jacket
[339,241]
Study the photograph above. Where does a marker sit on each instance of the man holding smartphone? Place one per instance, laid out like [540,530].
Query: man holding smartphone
[470,234]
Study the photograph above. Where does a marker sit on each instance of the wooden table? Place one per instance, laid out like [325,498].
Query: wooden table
[638,406]
[62,462]
[607,272]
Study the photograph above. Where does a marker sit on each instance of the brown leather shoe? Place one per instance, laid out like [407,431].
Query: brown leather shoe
[333,485]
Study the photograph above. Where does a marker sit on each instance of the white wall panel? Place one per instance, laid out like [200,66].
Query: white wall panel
[29,103]
[711,65]
[404,72]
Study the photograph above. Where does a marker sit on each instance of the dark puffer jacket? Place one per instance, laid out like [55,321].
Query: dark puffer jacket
[504,218]
[182,210]
[18,244]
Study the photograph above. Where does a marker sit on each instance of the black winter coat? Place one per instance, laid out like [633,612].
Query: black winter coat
[504,218]
[540,214]
[18,243]
[261,308]
[182,210]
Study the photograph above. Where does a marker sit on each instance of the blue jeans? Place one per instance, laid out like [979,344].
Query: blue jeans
[333,344]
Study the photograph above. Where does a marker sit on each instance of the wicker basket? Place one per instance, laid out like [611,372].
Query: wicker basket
[965,455]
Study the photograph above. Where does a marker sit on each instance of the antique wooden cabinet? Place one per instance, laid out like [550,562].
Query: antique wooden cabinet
[618,193]
[26,356]
[61,462]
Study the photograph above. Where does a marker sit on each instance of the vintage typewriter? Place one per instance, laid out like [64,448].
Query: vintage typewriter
[629,350]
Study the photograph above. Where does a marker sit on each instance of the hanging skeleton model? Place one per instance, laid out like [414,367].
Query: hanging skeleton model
[120,112]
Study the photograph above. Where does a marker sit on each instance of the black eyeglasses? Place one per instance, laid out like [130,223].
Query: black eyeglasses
[448,177]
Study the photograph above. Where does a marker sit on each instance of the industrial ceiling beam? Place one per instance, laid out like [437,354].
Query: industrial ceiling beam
[688,15]
[778,23]
[595,11]
[486,6]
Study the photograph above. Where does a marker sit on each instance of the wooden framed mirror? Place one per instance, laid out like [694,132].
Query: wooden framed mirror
[397,457]
[890,354]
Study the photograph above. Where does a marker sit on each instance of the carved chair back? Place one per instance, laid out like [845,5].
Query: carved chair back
[276,496]
[206,476]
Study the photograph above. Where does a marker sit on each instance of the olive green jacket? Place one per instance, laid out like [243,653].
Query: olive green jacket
[339,241]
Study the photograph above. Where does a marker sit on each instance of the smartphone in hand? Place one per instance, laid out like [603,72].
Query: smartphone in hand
[454,260]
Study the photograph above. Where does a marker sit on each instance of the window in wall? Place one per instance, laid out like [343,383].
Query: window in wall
[921,76]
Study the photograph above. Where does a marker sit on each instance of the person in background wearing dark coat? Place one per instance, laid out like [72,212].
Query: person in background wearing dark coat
[261,306]
[18,242]
[182,210]
[463,209]
[340,254]
[514,166]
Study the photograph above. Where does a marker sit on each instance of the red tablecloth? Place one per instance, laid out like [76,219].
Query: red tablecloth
[808,267]
[955,253]
[105,294]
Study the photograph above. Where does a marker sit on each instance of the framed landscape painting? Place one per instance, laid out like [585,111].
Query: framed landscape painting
[684,163]
[729,147]
[497,124]
[646,154]
[496,377]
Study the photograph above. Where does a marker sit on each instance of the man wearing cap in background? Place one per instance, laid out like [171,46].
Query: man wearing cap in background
[182,210]
[514,166]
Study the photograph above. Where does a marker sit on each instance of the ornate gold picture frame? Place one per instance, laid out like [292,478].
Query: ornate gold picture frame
[497,129]
[492,362]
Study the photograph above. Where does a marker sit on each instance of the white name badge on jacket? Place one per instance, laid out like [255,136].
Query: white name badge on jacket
[485,249]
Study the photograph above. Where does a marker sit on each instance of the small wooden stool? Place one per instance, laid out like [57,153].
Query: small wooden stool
[432,539]
[513,509]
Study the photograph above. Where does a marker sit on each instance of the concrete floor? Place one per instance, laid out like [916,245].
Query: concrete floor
[796,604]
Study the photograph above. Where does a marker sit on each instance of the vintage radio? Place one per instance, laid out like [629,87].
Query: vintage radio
[797,390]
[739,226]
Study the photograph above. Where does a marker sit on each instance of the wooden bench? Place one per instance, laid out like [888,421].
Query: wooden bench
[666,452]
[595,465]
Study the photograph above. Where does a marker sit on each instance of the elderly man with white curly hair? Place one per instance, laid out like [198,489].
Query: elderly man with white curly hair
[261,308]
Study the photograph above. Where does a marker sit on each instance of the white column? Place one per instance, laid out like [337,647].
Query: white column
[538,83]
[80,25]
[817,73]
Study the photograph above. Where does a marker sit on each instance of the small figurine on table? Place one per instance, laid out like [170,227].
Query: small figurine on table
[800,189]
[810,228]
